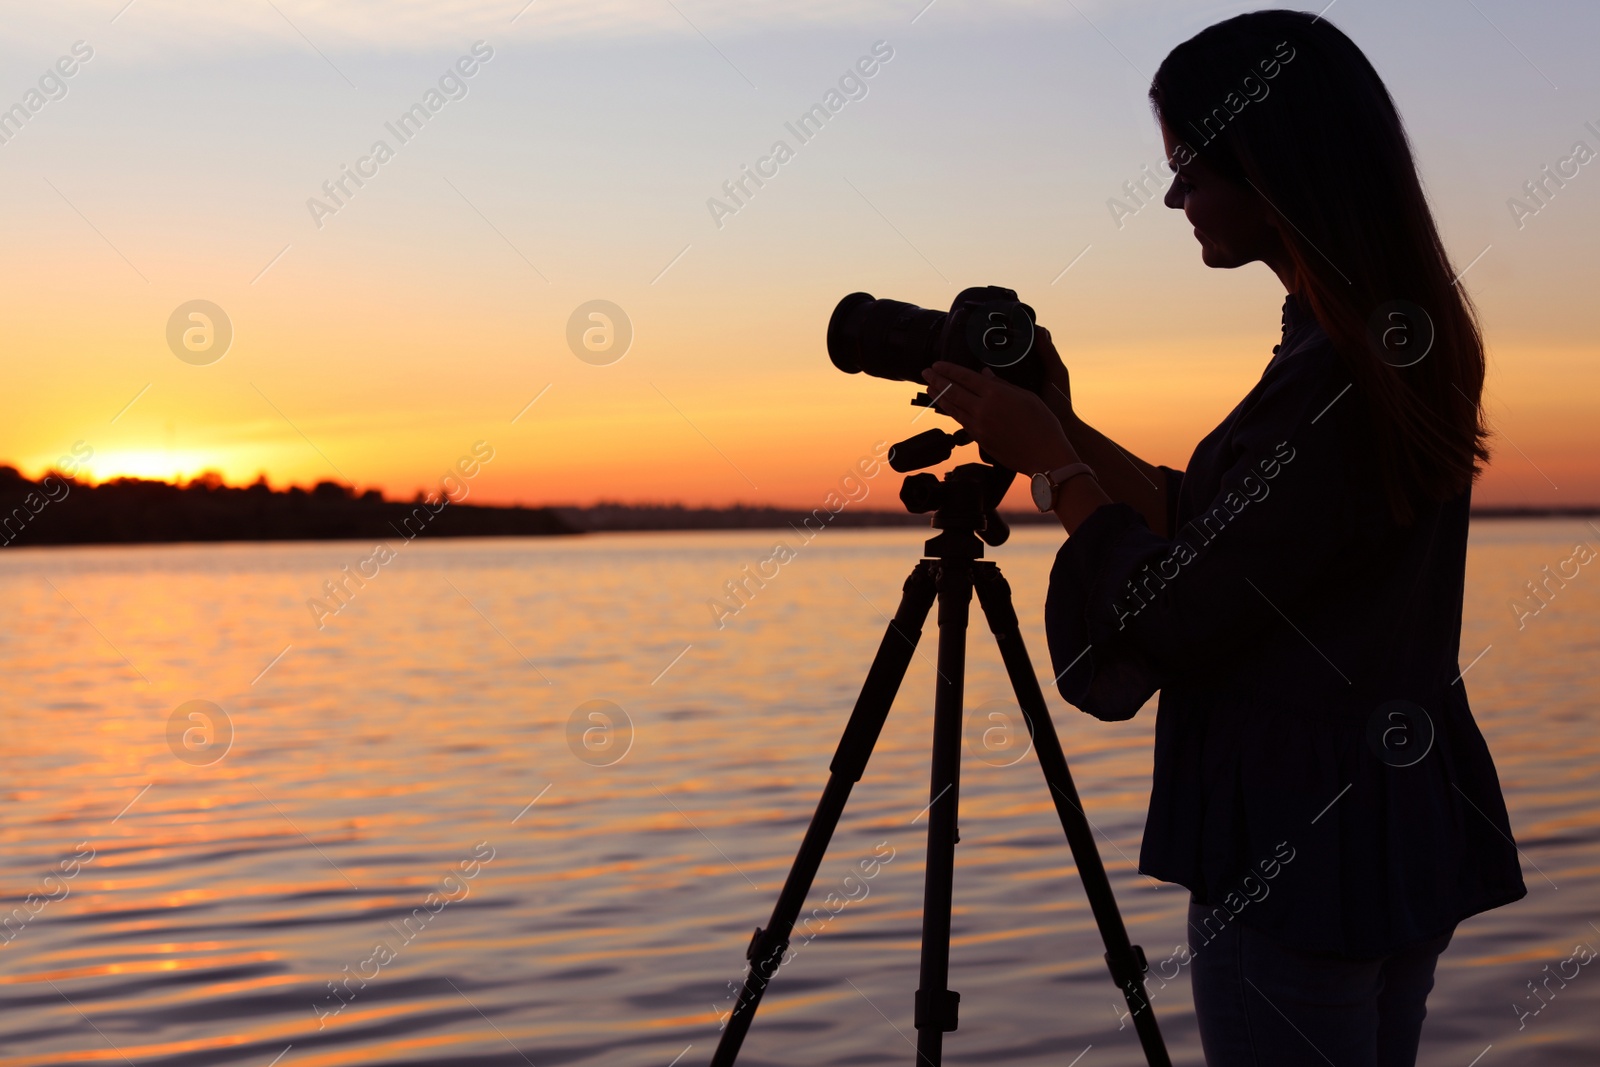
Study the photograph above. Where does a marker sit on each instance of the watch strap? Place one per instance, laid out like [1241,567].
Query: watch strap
[1061,475]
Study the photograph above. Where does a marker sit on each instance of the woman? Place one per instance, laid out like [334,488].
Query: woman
[1320,786]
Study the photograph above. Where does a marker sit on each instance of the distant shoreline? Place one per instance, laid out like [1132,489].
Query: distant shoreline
[59,511]
[616,518]
[1585,511]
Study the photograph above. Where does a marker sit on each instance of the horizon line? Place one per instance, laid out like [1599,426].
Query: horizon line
[214,480]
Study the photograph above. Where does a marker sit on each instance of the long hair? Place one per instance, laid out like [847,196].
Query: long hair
[1285,103]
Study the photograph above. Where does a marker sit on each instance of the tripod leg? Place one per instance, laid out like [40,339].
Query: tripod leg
[1125,960]
[888,669]
[936,1004]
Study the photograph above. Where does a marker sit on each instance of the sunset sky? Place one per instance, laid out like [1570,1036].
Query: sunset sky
[377,340]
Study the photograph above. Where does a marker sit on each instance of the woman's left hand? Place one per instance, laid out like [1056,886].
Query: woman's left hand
[1008,422]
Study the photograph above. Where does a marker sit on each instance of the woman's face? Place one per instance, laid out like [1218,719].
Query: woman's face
[1232,222]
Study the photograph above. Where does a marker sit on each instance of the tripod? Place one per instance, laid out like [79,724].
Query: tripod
[964,509]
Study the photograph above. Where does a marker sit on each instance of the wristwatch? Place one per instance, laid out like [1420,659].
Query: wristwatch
[1047,485]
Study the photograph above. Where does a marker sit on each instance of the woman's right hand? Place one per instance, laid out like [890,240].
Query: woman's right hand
[1057,391]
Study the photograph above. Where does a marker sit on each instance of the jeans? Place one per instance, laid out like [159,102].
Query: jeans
[1262,1004]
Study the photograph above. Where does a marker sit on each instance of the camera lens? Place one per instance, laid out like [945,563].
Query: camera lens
[884,338]
[844,332]
[986,326]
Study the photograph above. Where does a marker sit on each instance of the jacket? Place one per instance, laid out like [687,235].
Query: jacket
[1318,774]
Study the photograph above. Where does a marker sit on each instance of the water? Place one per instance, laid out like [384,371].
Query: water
[593,911]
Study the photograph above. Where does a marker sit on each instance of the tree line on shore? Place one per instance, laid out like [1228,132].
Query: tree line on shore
[61,510]
[58,510]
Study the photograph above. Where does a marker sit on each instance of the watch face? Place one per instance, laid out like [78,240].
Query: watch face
[1043,495]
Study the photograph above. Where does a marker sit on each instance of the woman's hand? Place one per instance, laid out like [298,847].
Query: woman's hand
[1014,426]
[1057,391]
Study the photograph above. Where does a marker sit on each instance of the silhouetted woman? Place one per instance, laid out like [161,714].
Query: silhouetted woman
[1295,594]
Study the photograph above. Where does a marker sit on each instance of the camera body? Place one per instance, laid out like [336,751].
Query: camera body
[986,327]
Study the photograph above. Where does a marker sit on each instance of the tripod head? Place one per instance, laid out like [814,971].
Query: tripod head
[964,502]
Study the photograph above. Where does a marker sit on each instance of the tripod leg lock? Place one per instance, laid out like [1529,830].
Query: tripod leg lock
[1131,966]
[765,950]
[937,1010]
[1128,971]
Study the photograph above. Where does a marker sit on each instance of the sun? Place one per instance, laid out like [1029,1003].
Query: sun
[161,465]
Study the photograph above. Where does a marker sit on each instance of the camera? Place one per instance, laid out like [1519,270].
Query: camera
[986,326]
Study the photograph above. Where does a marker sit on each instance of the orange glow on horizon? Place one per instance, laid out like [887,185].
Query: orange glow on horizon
[619,435]
[155,465]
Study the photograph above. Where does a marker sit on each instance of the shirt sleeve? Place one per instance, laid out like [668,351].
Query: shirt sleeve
[1127,609]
